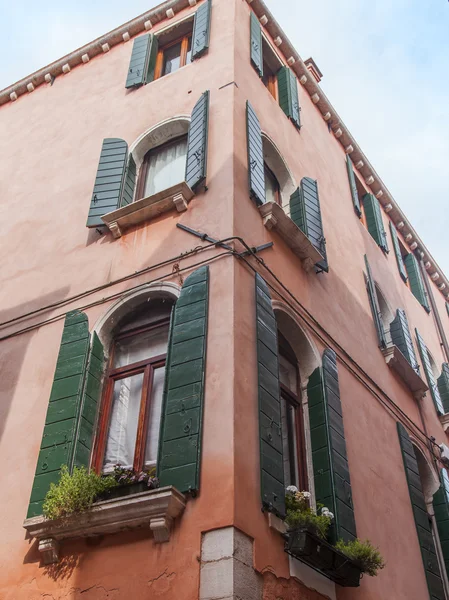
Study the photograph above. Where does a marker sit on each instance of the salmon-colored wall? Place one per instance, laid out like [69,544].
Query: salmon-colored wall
[47,174]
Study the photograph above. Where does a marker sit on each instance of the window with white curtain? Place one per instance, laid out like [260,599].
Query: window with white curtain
[163,167]
[130,418]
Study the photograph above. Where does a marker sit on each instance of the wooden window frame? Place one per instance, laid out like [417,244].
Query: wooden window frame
[146,367]
[143,171]
[183,56]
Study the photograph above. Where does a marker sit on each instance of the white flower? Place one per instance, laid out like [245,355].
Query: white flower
[292,489]
[306,494]
[325,512]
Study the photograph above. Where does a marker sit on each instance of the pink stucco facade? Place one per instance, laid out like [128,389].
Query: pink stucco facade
[51,143]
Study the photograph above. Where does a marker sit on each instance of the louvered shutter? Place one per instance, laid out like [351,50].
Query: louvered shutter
[143,61]
[425,359]
[401,337]
[196,162]
[256,171]
[256,44]
[270,433]
[443,386]
[201,30]
[109,182]
[181,426]
[375,308]
[305,212]
[397,251]
[329,456]
[441,508]
[130,182]
[422,520]
[353,186]
[416,281]
[68,431]
[374,220]
[288,94]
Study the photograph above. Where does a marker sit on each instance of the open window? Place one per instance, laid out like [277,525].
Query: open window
[175,49]
[271,66]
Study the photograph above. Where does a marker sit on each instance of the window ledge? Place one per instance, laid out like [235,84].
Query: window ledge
[175,197]
[397,361]
[274,218]
[156,508]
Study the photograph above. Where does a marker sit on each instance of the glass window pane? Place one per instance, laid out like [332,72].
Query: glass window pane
[189,52]
[141,346]
[172,59]
[155,416]
[122,435]
[289,443]
[167,166]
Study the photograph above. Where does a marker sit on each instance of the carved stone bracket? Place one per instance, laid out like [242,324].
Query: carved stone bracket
[180,202]
[155,508]
[115,229]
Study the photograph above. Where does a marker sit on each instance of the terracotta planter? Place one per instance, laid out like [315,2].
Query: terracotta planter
[322,556]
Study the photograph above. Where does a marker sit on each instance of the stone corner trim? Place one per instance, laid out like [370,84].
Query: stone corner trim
[154,508]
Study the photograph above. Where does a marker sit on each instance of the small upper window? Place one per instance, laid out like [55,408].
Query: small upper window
[162,167]
[132,401]
[173,56]
[272,187]
[271,65]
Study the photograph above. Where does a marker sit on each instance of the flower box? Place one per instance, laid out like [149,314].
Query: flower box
[322,556]
[124,490]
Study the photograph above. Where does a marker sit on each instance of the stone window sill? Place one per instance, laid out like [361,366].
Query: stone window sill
[397,361]
[156,508]
[175,197]
[275,219]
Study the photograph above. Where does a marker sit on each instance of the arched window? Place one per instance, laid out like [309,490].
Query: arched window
[130,414]
[386,314]
[272,187]
[279,184]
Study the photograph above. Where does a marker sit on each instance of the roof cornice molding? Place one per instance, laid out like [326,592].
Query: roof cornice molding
[343,135]
[101,45]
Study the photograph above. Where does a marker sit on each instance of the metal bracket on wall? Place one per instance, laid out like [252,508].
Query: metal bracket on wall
[207,238]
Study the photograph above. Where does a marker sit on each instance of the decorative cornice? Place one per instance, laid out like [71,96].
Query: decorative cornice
[148,19]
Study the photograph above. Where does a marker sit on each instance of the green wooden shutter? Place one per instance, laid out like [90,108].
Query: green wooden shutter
[397,251]
[130,182]
[416,281]
[330,460]
[441,508]
[288,94]
[270,433]
[71,413]
[201,30]
[181,426]
[256,171]
[401,337]
[374,221]
[375,308]
[443,386]
[433,387]
[305,212]
[353,186]
[422,520]
[143,61]
[196,162]
[256,44]
[109,182]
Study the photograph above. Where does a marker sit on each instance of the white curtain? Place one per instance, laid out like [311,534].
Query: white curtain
[124,419]
[167,167]
[155,416]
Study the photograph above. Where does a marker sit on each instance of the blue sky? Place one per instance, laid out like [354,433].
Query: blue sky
[385,67]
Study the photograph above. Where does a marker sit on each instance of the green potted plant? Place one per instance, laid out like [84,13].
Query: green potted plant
[366,556]
[130,482]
